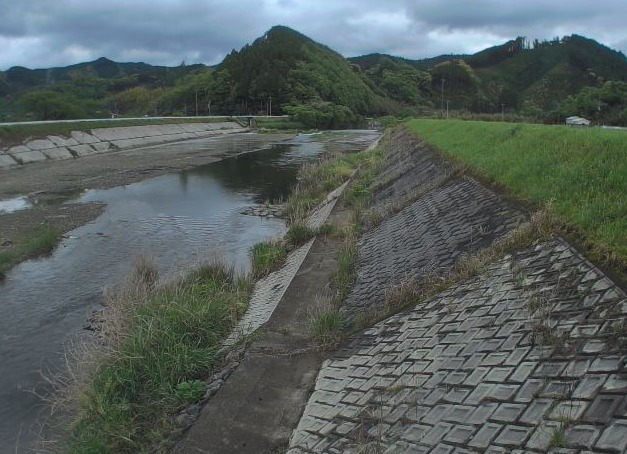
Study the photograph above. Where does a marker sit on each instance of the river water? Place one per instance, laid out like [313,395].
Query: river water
[178,219]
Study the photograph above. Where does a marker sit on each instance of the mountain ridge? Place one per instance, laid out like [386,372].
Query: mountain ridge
[284,71]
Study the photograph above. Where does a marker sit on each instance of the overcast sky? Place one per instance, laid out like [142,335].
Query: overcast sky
[47,33]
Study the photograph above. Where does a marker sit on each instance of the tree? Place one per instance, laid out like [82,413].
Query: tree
[50,105]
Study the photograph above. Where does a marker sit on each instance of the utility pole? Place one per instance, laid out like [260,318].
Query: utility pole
[442,101]
[502,111]
[209,107]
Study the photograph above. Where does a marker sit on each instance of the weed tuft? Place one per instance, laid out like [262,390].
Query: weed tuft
[346,264]
[327,328]
[298,234]
[267,257]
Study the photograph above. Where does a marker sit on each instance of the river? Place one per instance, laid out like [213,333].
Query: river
[179,219]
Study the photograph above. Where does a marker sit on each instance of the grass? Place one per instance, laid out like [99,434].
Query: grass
[267,256]
[283,124]
[298,234]
[161,340]
[327,328]
[15,134]
[558,438]
[316,180]
[344,276]
[37,242]
[583,171]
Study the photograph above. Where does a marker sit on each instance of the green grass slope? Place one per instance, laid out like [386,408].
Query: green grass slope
[582,171]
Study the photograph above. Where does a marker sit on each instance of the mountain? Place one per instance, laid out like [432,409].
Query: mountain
[296,71]
[285,72]
[517,76]
[20,78]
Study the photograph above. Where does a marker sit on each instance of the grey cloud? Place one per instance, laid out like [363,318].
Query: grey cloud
[167,31]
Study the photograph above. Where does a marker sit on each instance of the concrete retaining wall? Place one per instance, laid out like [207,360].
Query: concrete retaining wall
[107,139]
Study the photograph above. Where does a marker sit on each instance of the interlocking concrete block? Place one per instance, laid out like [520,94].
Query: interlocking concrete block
[535,411]
[130,143]
[517,355]
[18,149]
[498,374]
[484,437]
[514,436]
[594,346]
[494,359]
[549,369]
[83,137]
[569,410]
[541,438]
[503,392]
[27,157]
[40,144]
[616,383]
[589,386]
[81,150]
[482,413]
[58,153]
[459,434]
[577,367]
[522,372]
[459,414]
[614,437]
[456,395]
[436,414]
[602,408]
[455,378]
[508,413]
[481,392]
[582,436]
[558,389]
[62,141]
[437,433]
[606,364]
[7,161]
[101,146]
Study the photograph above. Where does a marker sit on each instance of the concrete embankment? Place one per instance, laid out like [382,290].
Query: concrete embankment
[100,140]
[529,356]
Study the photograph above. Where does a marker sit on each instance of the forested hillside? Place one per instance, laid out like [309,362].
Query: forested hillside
[541,80]
[284,72]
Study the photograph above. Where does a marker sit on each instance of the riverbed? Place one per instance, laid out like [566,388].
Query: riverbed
[180,219]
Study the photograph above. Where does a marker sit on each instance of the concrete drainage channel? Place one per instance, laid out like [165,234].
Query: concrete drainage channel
[108,139]
[530,356]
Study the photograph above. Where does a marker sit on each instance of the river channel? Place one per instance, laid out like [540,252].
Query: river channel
[179,219]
